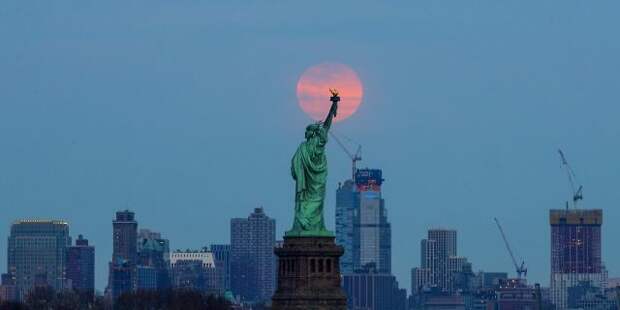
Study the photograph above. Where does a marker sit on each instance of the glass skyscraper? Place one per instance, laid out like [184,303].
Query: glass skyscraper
[372,239]
[347,202]
[362,227]
[37,254]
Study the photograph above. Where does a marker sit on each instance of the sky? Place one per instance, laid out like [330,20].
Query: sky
[185,112]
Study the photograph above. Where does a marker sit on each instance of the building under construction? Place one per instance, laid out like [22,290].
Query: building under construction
[575,251]
[576,240]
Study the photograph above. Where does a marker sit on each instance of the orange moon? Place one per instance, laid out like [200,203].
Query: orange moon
[313,90]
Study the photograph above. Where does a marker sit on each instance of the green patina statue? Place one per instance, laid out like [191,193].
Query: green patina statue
[309,169]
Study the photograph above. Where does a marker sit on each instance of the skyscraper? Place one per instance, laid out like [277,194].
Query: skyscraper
[438,260]
[81,267]
[125,236]
[252,258]
[37,253]
[371,229]
[153,260]
[428,254]
[445,247]
[347,202]
[221,255]
[575,251]
[123,271]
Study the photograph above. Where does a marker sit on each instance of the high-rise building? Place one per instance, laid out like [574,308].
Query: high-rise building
[221,255]
[125,237]
[122,279]
[372,231]
[424,276]
[194,270]
[440,268]
[123,272]
[252,258]
[445,247]
[8,289]
[147,278]
[456,266]
[428,254]
[575,252]
[372,290]
[37,254]
[81,267]
[153,260]
[420,278]
[586,296]
[347,202]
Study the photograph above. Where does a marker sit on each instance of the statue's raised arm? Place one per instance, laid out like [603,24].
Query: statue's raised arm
[332,111]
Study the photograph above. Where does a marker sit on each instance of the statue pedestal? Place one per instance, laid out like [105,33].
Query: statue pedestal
[309,275]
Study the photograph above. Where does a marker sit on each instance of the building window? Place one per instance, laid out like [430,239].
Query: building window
[312,266]
[328,265]
[320,265]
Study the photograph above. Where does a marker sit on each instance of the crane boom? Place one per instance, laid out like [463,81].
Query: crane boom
[521,270]
[354,157]
[577,194]
[344,148]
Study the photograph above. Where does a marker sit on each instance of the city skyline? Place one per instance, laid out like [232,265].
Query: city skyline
[464,108]
[453,245]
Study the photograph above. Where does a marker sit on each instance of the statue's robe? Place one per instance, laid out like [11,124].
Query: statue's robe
[309,169]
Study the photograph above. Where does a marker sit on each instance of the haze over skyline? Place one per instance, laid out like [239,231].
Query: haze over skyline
[185,112]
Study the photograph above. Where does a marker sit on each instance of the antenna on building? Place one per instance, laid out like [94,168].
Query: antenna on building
[355,157]
[577,193]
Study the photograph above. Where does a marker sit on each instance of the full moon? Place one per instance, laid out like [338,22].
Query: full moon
[313,90]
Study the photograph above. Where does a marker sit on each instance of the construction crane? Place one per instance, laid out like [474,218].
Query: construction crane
[355,157]
[577,194]
[521,269]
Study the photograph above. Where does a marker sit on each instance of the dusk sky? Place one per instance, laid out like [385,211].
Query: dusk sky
[186,113]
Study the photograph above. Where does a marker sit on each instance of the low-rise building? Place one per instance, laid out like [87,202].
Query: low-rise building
[194,270]
[369,289]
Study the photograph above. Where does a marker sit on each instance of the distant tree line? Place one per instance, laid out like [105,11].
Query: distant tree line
[171,299]
[179,299]
[45,298]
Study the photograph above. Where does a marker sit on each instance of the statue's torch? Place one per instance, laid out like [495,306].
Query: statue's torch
[334,99]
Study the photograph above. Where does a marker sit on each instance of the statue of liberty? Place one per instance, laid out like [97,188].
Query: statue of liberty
[309,169]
